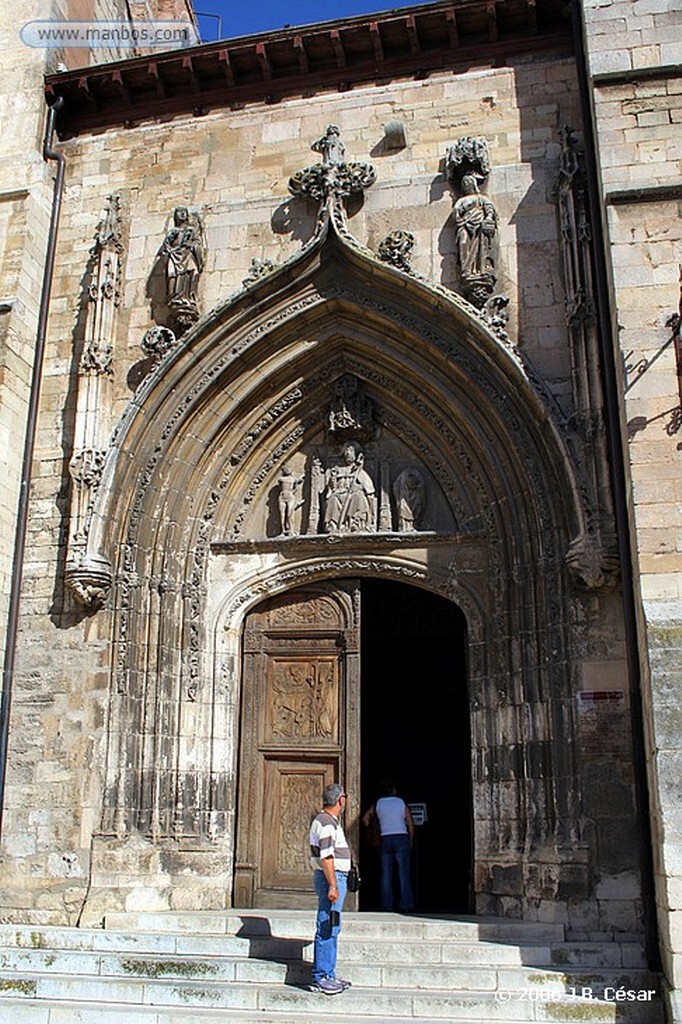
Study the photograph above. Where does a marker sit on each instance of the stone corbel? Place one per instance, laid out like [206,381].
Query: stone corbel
[89,579]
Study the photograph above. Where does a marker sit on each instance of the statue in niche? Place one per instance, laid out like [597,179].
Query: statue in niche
[351,410]
[476,227]
[349,496]
[409,493]
[287,500]
[183,251]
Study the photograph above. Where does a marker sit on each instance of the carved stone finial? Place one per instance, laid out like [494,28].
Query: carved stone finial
[157,341]
[109,233]
[333,178]
[396,249]
[183,254]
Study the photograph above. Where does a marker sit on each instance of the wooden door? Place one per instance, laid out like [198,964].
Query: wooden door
[300,729]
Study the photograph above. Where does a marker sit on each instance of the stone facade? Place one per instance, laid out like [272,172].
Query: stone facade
[634,65]
[167,448]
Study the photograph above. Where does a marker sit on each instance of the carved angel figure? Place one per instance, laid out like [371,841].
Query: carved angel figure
[349,496]
[408,491]
[476,225]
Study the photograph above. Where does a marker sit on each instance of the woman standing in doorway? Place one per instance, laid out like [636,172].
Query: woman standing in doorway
[397,832]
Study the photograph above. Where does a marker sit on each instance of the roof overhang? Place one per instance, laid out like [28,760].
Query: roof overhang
[407,42]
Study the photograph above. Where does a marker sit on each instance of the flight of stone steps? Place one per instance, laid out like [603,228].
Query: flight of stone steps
[243,966]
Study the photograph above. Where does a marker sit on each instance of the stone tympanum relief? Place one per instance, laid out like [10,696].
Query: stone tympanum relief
[353,477]
[467,165]
[182,256]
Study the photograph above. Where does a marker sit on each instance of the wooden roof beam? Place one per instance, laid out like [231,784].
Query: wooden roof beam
[532,16]
[491,14]
[303,62]
[453,32]
[153,72]
[412,34]
[121,88]
[188,66]
[339,51]
[226,64]
[375,36]
[264,61]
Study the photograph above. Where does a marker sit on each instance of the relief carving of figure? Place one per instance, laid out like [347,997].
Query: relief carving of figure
[476,226]
[409,494]
[183,250]
[349,497]
[350,410]
[287,500]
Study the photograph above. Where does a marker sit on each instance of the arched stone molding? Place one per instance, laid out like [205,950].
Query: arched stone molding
[212,427]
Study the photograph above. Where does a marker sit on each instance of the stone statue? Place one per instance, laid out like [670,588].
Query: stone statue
[409,494]
[287,502]
[476,227]
[183,250]
[349,497]
[331,147]
[351,411]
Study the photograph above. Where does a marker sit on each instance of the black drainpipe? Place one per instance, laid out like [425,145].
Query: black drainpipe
[29,445]
[616,451]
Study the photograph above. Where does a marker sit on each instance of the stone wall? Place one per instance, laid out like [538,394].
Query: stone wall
[634,54]
[232,167]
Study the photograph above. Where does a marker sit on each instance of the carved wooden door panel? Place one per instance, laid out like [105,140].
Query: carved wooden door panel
[300,729]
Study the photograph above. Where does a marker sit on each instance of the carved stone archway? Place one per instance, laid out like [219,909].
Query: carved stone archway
[183,516]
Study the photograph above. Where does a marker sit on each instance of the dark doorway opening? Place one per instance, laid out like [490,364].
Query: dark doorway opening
[415,729]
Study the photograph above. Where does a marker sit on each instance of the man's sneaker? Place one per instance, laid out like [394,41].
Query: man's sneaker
[330,986]
[344,981]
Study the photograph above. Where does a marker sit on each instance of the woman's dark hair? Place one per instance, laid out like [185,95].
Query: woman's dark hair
[387,787]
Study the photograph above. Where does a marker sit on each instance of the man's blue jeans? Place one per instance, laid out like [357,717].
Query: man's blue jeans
[396,848]
[326,933]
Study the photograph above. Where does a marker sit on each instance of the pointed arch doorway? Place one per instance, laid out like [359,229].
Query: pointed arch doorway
[353,680]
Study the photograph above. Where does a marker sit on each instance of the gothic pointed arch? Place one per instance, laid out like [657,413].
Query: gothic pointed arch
[186,517]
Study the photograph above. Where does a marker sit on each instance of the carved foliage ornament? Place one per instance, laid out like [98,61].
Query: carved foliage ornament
[396,249]
[334,177]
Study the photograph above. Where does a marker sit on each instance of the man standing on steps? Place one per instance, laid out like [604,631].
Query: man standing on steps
[330,858]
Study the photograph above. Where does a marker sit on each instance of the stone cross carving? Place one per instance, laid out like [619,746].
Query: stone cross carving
[334,178]
[183,254]
[467,164]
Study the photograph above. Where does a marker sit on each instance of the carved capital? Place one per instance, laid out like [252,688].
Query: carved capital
[592,565]
[90,580]
[86,467]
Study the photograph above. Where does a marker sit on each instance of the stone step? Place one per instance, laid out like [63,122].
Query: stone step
[453,976]
[301,923]
[67,1012]
[292,1004]
[355,949]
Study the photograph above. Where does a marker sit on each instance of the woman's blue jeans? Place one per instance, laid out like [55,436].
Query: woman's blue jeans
[396,849]
[326,932]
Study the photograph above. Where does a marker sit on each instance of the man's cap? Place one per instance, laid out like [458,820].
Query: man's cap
[331,794]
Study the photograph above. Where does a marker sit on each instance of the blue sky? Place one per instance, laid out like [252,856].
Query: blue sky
[242,17]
